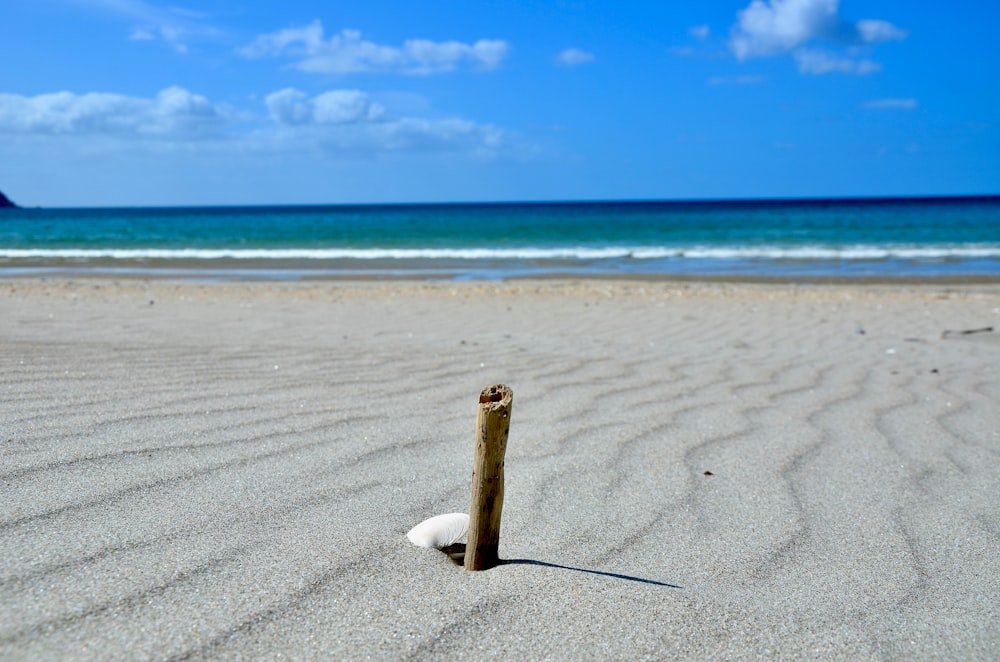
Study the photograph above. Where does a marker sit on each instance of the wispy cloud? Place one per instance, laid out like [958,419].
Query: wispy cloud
[141,34]
[891,104]
[874,31]
[348,52]
[812,61]
[175,26]
[735,80]
[768,28]
[572,57]
[699,31]
[130,8]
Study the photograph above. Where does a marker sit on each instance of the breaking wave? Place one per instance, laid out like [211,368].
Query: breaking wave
[795,253]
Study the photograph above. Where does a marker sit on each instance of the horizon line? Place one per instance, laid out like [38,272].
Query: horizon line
[553,202]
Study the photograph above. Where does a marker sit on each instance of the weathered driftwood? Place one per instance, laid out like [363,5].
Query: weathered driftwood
[492,428]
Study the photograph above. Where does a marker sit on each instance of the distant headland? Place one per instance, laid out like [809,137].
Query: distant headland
[5,201]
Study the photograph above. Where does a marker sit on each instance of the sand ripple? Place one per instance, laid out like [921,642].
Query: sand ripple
[228,471]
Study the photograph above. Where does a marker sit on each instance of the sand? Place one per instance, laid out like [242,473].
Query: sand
[228,471]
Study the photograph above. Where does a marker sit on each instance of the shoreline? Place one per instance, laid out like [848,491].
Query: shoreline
[290,274]
[554,285]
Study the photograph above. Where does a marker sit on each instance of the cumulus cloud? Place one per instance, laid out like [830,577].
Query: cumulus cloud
[173,113]
[292,107]
[348,52]
[780,27]
[337,122]
[572,57]
[891,104]
[348,121]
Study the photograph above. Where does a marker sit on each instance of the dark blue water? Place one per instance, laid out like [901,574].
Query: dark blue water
[910,237]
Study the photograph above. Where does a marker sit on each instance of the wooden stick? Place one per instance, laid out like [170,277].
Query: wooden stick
[492,428]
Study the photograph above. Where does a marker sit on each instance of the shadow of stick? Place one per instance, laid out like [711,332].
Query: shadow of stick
[456,553]
[613,575]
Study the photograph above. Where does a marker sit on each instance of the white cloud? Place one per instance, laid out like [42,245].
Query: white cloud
[172,114]
[873,31]
[817,62]
[339,122]
[781,27]
[891,104]
[437,135]
[778,26]
[699,31]
[292,41]
[572,57]
[348,52]
[347,121]
[292,107]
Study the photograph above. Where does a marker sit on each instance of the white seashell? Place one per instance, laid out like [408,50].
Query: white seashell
[440,530]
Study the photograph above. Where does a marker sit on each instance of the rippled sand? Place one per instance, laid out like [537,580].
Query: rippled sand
[229,470]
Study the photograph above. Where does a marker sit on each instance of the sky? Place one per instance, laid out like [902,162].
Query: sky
[247,102]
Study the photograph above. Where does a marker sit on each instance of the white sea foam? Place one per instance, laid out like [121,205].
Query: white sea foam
[806,253]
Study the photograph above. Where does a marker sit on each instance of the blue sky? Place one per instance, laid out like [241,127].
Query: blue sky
[143,102]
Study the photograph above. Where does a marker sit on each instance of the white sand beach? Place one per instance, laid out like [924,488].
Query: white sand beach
[228,471]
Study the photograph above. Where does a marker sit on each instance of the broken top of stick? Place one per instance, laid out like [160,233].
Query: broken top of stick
[495,394]
[492,428]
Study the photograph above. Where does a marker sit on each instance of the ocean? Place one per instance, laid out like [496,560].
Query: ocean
[915,238]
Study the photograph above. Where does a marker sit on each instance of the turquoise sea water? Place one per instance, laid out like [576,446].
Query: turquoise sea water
[902,237]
